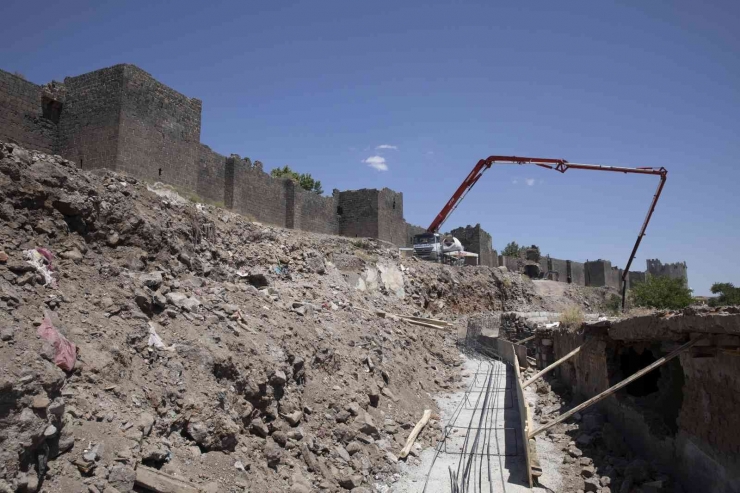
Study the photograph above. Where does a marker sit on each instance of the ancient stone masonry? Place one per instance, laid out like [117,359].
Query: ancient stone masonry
[596,273]
[682,415]
[27,113]
[121,118]
[89,125]
[576,273]
[476,240]
[675,270]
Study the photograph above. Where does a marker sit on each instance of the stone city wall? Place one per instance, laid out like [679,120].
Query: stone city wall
[675,270]
[121,118]
[595,273]
[475,239]
[23,118]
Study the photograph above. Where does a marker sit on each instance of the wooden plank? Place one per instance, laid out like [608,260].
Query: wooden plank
[523,418]
[665,359]
[440,323]
[505,350]
[525,340]
[424,324]
[521,354]
[160,482]
[414,433]
[554,365]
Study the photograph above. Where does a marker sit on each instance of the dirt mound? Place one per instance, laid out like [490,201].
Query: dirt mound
[225,353]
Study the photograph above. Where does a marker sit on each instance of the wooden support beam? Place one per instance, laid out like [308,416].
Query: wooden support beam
[593,400]
[414,433]
[525,340]
[554,365]
[424,322]
[154,480]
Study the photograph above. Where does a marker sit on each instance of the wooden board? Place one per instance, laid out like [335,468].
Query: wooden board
[154,480]
[521,354]
[505,350]
[414,433]
[525,419]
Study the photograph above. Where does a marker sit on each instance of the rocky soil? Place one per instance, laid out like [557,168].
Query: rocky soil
[228,354]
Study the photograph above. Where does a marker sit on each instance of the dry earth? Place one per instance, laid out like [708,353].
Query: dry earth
[232,355]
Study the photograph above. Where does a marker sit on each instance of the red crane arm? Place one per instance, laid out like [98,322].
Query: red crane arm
[475,175]
[558,165]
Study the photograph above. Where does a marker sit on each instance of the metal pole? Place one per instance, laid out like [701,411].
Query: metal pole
[663,177]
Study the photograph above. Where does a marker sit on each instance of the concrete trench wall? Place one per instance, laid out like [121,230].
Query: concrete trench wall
[689,425]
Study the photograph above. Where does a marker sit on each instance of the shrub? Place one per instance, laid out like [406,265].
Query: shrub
[514,250]
[613,305]
[728,294]
[304,180]
[362,243]
[662,293]
[571,317]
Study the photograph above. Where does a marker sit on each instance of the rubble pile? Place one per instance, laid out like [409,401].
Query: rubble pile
[515,327]
[144,336]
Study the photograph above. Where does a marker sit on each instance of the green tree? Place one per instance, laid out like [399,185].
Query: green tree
[661,293]
[728,294]
[511,250]
[304,180]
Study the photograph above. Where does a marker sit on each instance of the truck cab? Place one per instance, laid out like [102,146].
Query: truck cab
[428,246]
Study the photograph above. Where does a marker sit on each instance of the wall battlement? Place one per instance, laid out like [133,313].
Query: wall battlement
[675,270]
[596,273]
[476,239]
[121,118]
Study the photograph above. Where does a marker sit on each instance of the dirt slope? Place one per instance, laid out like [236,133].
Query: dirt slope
[273,371]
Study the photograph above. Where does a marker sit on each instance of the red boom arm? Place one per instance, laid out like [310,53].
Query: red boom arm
[475,175]
[558,165]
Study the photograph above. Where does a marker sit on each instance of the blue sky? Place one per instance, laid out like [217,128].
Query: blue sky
[321,85]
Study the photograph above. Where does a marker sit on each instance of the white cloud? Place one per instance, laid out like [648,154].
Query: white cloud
[514,182]
[530,181]
[376,162]
[387,146]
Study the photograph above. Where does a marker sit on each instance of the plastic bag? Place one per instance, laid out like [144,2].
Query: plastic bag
[65,352]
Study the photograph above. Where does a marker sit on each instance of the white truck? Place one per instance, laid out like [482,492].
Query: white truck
[433,246]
